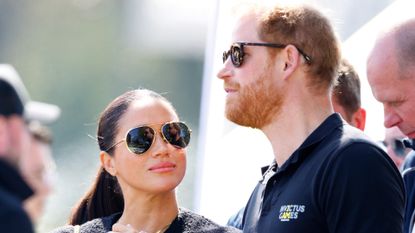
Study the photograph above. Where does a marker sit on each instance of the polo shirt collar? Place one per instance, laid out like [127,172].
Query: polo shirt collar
[318,135]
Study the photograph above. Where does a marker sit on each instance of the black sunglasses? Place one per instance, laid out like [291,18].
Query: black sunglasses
[140,139]
[236,52]
[397,146]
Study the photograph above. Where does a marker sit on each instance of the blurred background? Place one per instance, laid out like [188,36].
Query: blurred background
[80,54]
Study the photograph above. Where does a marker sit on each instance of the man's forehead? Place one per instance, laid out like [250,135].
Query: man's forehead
[245,26]
[382,68]
[382,51]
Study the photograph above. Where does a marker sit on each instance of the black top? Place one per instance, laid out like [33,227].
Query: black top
[186,222]
[13,190]
[12,181]
[336,181]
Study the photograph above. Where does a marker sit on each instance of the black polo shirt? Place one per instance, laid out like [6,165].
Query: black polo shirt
[338,181]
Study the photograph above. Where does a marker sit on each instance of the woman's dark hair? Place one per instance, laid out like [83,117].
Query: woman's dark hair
[105,196]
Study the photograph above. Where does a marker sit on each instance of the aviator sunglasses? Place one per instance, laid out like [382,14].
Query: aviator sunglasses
[140,139]
[236,52]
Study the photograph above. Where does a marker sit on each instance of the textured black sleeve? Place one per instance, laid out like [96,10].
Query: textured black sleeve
[364,192]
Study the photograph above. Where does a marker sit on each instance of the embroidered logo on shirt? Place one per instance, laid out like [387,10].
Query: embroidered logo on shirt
[289,212]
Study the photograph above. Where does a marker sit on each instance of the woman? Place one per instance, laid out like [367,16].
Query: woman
[143,160]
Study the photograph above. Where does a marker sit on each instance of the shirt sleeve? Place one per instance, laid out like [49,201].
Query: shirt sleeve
[362,191]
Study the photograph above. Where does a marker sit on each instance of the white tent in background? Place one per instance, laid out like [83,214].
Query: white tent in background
[230,157]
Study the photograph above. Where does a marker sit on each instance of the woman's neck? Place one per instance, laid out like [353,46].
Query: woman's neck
[150,213]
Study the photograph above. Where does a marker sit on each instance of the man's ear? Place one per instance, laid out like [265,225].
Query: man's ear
[359,119]
[108,163]
[292,59]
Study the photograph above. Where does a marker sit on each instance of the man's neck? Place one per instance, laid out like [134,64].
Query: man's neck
[294,124]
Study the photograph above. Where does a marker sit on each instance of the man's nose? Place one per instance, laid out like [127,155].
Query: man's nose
[391,117]
[226,70]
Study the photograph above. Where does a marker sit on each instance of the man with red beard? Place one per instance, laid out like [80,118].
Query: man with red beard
[391,75]
[327,176]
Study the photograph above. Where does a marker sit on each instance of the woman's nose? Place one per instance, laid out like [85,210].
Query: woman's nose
[161,147]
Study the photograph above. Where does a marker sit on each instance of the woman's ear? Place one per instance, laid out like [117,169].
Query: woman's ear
[108,163]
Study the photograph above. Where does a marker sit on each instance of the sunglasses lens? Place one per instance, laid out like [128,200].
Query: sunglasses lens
[140,139]
[236,55]
[177,134]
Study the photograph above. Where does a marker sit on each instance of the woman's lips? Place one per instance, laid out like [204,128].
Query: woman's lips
[163,167]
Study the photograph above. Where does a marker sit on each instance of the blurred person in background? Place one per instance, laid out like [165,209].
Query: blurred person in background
[346,96]
[278,76]
[395,147]
[14,139]
[143,160]
[37,169]
[16,110]
[391,76]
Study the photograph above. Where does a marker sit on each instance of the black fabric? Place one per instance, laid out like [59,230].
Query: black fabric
[12,182]
[336,181]
[409,143]
[13,190]
[408,174]
[13,219]
[10,103]
[185,222]
[236,219]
